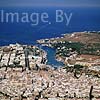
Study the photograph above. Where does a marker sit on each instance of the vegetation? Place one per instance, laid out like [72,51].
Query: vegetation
[64,48]
[93,49]
[77,70]
[90,94]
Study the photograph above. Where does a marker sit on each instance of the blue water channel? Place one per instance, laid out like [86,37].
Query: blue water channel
[51,57]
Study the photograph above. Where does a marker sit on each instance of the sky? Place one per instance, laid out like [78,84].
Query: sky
[65,3]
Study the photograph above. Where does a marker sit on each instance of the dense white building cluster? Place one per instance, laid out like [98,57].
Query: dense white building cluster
[15,55]
[43,83]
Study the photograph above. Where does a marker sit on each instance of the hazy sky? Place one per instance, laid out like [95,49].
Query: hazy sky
[88,3]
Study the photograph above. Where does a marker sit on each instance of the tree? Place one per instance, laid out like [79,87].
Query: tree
[78,69]
[90,94]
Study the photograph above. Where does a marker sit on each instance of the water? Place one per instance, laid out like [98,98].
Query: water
[83,19]
[51,57]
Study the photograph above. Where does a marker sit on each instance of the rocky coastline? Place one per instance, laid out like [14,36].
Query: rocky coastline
[25,75]
[42,82]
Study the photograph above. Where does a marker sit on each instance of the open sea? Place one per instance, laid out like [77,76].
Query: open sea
[83,19]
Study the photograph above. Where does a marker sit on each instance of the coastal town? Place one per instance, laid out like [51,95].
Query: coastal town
[81,48]
[25,74]
[22,56]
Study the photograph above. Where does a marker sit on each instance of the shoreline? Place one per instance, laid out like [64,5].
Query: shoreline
[72,38]
[26,75]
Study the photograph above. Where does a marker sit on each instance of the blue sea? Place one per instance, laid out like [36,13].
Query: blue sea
[83,19]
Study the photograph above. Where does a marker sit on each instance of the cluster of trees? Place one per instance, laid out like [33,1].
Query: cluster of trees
[77,70]
[66,46]
[92,49]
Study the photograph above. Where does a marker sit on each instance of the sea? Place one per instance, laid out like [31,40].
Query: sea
[82,19]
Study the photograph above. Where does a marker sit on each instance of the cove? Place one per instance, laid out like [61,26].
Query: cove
[51,57]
